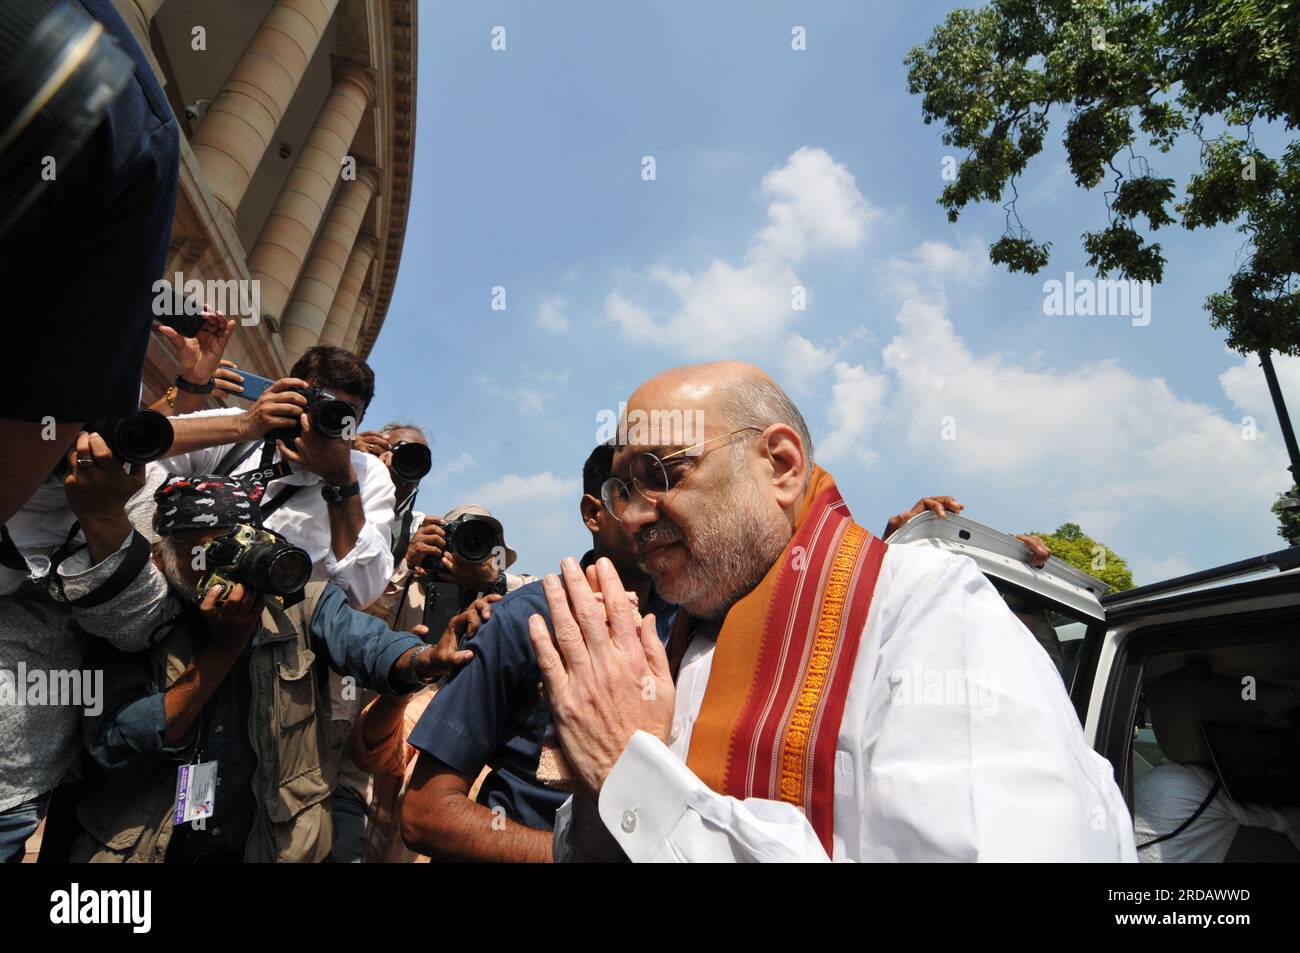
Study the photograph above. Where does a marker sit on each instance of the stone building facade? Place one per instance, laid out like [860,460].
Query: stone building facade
[298,120]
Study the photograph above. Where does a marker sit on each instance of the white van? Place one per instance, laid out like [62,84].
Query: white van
[1189,687]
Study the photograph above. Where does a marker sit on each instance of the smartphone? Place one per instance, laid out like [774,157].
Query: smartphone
[254,385]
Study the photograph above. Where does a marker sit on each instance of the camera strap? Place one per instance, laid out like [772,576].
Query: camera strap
[137,555]
[404,535]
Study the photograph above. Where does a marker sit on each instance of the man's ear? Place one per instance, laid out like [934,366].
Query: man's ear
[789,465]
[590,508]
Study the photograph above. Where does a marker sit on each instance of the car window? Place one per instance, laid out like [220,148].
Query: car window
[1060,633]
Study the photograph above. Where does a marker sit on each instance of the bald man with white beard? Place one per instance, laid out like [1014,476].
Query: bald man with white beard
[823,695]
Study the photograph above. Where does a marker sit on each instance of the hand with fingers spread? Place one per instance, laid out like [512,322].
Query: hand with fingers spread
[603,668]
[198,357]
[940,506]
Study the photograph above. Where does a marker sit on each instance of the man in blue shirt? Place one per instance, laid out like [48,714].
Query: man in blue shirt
[492,714]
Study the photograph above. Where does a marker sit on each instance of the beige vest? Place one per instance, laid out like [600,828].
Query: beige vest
[129,819]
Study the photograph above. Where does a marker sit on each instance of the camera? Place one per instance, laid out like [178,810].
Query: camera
[329,416]
[143,437]
[257,558]
[471,538]
[411,461]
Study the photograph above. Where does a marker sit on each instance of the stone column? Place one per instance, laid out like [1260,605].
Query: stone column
[339,321]
[306,315]
[281,249]
[241,122]
[358,319]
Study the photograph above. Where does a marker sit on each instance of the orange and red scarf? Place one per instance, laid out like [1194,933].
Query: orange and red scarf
[771,712]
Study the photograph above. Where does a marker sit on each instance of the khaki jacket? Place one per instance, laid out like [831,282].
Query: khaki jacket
[129,818]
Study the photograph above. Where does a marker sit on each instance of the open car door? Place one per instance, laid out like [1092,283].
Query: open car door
[1189,687]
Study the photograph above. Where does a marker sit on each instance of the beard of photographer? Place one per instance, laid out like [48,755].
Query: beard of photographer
[235,683]
[343,519]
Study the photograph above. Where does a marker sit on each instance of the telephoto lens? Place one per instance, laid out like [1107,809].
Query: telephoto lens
[143,437]
[279,568]
[411,461]
[59,72]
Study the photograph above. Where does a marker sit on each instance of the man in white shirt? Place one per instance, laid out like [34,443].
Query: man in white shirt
[335,502]
[824,696]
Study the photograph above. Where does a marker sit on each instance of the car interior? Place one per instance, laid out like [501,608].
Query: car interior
[1232,710]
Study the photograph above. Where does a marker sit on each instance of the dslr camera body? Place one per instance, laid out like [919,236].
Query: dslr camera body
[471,538]
[329,416]
[258,558]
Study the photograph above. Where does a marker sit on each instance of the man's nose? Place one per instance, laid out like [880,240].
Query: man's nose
[638,512]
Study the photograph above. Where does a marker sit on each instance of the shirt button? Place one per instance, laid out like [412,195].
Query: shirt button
[218,729]
[629,821]
[216,832]
[676,731]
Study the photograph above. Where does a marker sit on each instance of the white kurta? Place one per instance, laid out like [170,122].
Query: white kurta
[304,519]
[958,742]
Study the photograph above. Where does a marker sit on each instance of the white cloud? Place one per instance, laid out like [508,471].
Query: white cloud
[1122,455]
[457,464]
[1244,385]
[514,490]
[550,316]
[803,363]
[928,267]
[814,205]
[855,405]
[731,309]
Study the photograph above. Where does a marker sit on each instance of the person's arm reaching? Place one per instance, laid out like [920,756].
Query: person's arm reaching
[29,450]
[279,406]
[440,820]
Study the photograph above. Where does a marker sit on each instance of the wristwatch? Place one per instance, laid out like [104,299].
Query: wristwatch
[337,494]
[201,389]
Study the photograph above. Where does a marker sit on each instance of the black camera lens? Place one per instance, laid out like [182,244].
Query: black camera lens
[473,540]
[276,568]
[143,437]
[330,416]
[411,461]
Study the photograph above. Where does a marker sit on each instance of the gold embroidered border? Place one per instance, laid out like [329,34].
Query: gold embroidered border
[794,745]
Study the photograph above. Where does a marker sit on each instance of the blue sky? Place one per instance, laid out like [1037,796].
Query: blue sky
[775,168]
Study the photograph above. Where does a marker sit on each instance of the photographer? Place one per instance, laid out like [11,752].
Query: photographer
[60,590]
[232,693]
[404,450]
[333,501]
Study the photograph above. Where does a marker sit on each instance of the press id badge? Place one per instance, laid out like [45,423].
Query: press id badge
[196,790]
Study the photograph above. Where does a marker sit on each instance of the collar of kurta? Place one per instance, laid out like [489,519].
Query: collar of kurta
[781,667]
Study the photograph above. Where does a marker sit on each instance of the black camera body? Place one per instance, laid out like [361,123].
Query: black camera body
[329,416]
[471,538]
[260,559]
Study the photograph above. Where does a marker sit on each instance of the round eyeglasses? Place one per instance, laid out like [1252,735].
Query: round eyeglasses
[654,477]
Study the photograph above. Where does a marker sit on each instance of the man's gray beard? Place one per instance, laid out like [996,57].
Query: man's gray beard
[728,554]
[174,568]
